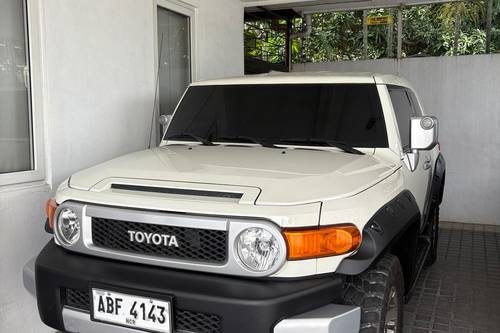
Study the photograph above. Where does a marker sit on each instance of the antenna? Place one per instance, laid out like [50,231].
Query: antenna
[156,92]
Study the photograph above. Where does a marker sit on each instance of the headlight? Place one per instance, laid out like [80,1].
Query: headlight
[68,226]
[258,249]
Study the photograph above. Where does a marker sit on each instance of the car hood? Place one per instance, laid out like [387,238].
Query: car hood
[276,176]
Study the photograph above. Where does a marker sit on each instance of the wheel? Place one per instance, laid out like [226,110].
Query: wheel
[434,236]
[379,292]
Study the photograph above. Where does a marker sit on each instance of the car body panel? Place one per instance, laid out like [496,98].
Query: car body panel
[332,175]
[291,186]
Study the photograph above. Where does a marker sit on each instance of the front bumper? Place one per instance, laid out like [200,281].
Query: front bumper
[242,305]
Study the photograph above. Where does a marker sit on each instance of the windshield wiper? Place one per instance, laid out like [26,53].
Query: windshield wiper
[322,142]
[245,139]
[203,141]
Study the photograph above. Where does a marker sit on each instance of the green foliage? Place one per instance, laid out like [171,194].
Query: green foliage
[469,11]
[336,36]
[428,30]
[471,42]
[265,40]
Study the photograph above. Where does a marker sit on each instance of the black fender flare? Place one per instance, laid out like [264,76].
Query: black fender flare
[436,191]
[438,180]
[382,230]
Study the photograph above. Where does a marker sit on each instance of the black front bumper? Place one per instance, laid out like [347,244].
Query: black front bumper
[242,305]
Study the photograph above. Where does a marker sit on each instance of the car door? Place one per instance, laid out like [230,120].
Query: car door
[428,157]
[417,165]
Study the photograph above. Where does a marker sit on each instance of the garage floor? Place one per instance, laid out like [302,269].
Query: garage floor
[460,293]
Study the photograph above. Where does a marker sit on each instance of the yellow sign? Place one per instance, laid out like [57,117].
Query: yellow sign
[377,20]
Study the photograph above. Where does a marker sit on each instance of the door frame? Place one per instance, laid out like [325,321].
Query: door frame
[191,12]
[187,10]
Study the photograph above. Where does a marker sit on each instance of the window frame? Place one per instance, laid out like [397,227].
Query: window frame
[191,12]
[34,47]
[406,90]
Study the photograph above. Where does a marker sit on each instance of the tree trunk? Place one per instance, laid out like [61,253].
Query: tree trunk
[458,25]
[489,18]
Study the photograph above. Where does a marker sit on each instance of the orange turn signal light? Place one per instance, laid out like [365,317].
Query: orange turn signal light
[50,210]
[322,242]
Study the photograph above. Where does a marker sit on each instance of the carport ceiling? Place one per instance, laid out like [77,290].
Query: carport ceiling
[315,6]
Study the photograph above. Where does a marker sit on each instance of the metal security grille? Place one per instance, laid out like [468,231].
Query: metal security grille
[184,321]
[201,245]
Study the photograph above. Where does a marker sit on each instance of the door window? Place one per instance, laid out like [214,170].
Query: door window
[414,103]
[404,111]
[173,58]
[16,139]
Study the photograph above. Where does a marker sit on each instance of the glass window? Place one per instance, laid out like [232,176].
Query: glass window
[404,112]
[414,103]
[349,113]
[174,58]
[16,144]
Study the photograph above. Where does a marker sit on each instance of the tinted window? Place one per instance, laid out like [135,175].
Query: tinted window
[404,111]
[340,112]
[414,102]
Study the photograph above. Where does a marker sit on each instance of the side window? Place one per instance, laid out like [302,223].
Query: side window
[21,146]
[414,103]
[403,110]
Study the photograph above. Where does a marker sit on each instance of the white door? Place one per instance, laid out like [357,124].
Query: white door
[417,180]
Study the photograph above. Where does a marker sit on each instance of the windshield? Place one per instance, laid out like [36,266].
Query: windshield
[282,113]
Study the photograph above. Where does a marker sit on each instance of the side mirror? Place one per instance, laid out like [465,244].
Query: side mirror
[164,121]
[423,133]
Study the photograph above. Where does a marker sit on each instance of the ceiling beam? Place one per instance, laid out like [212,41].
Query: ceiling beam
[319,6]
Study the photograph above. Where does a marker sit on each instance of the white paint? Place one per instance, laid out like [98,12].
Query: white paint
[98,61]
[21,238]
[464,93]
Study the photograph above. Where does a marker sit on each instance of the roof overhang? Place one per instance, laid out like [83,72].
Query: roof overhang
[318,6]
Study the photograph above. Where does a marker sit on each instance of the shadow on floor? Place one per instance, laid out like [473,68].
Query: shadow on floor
[460,293]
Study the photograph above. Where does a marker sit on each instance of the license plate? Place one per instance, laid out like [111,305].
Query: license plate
[138,312]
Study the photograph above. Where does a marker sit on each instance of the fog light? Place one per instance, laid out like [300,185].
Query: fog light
[258,249]
[68,226]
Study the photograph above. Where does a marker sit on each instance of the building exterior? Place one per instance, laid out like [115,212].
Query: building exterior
[93,75]
[77,87]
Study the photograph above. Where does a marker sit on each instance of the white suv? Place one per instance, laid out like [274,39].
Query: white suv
[277,203]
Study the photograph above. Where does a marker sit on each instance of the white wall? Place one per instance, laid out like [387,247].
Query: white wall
[464,92]
[98,88]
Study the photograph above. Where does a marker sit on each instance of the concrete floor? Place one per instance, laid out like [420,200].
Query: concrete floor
[460,293]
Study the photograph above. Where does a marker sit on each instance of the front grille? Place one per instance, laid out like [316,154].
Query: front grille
[78,299]
[197,322]
[184,320]
[202,245]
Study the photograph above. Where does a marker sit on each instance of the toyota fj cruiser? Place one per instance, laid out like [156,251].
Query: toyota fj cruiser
[280,203]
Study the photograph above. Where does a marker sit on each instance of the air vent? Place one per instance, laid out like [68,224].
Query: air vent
[177,191]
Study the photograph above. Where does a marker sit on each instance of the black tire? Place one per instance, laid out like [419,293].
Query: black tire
[372,291]
[434,236]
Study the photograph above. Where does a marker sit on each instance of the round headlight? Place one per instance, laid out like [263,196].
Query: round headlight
[258,249]
[68,226]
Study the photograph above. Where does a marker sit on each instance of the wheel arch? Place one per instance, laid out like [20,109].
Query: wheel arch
[390,226]
[438,180]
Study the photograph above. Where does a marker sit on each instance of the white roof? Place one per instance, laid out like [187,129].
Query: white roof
[309,77]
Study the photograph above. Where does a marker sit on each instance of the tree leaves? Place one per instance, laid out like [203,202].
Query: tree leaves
[428,30]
